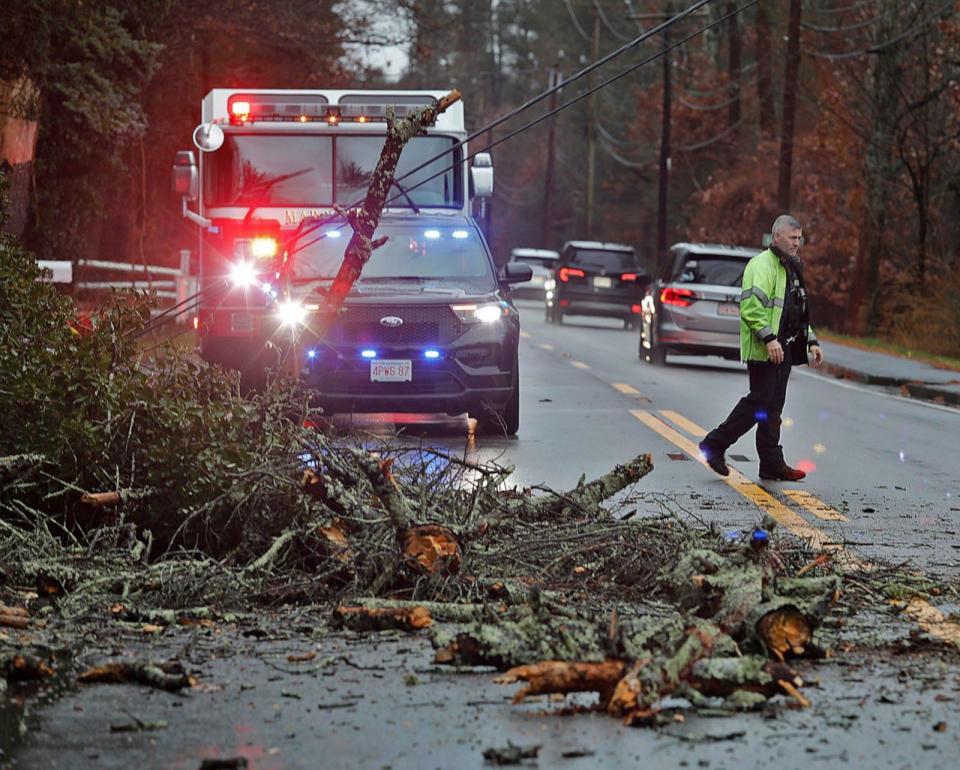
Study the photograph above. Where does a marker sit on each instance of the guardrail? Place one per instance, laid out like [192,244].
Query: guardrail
[174,283]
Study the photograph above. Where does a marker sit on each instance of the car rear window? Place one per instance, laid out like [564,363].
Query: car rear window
[719,271]
[539,261]
[604,260]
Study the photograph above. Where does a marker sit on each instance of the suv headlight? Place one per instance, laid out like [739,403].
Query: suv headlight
[486,312]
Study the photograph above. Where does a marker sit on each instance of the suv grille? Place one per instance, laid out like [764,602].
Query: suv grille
[425,325]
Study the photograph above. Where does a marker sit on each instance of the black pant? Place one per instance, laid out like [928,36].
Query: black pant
[762,406]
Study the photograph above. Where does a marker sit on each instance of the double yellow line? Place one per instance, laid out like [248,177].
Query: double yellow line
[756,494]
[931,620]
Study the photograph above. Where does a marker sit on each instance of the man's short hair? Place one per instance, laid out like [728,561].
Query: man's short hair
[784,222]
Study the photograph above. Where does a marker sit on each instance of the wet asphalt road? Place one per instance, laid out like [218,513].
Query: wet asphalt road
[883,471]
[382,704]
[882,481]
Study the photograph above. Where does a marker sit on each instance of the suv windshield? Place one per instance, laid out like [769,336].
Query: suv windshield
[713,269]
[602,260]
[414,251]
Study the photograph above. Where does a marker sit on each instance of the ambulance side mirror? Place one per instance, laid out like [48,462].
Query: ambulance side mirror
[481,175]
[186,177]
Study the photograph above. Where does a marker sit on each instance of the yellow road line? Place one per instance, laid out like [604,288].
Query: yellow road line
[546,346]
[931,620]
[525,335]
[757,495]
[627,390]
[579,364]
[803,498]
[816,506]
[682,422]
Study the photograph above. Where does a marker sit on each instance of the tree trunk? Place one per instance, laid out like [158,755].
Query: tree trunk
[768,107]
[879,172]
[733,116]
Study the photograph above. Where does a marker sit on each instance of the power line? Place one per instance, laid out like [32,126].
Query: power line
[633,164]
[606,22]
[653,57]
[610,137]
[850,27]
[707,107]
[573,18]
[316,224]
[746,69]
[712,140]
[844,9]
[543,95]
[911,30]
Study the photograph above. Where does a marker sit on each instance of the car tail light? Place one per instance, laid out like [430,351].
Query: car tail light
[677,297]
[628,277]
[566,273]
[635,308]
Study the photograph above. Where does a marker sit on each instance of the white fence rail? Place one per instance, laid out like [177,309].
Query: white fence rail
[176,283]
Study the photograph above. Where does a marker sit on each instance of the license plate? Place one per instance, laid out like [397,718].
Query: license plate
[602,282]
[391,371]
[728,308]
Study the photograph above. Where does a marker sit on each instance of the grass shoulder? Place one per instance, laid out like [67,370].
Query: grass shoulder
[877,345]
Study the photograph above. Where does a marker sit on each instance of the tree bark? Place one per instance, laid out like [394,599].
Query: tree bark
[768,107]
[734,69]
[879,173]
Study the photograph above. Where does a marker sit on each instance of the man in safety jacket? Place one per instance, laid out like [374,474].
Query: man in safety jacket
[775,335]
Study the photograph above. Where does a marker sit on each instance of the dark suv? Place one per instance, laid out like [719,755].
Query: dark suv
[428,327]
[693,307]
[598,279]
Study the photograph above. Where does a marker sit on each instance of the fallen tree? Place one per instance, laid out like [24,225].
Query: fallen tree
[137,486]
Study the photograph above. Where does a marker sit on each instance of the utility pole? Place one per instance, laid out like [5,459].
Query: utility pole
[591,129]
[789,106]
[547,213]
[665,124]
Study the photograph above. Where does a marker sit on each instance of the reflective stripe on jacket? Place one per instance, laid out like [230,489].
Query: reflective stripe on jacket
[761,305]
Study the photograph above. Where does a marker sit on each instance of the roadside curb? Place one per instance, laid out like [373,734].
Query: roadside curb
[919,390]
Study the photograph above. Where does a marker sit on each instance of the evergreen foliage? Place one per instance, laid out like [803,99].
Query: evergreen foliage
[197,464]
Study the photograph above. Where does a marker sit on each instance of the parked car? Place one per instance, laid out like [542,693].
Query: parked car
[598,279]
[693,306]
[542,264]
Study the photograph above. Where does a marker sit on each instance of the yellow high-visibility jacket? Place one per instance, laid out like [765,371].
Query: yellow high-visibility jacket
[761,307]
